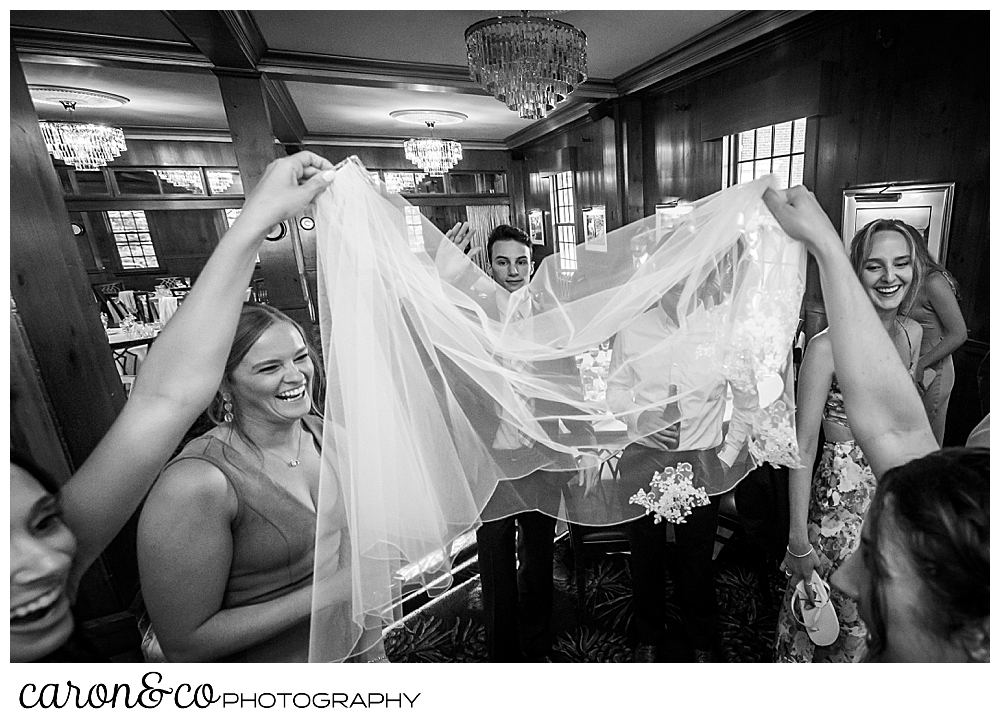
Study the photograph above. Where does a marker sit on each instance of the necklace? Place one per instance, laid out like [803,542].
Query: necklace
[298,452]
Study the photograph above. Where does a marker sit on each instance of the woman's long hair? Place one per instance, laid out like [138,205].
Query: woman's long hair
[861,246]
[936,511]
[930,265]
[255,319]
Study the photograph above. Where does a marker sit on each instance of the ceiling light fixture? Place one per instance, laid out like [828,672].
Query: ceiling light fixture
[528,63]
[435,156]
[85,146]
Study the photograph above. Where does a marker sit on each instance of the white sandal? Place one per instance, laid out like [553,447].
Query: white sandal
[820,621]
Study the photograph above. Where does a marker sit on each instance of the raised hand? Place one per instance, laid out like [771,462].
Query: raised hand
[801,217]
[461,235]
[287,186]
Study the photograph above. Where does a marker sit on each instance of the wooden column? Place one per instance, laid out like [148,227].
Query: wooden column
[245,99]
[50,289]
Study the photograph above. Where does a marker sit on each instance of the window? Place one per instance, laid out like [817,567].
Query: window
[563,203]
[779,149]
[132,240]
[414,227]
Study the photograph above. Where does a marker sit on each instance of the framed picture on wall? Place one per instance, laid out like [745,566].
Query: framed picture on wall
[594,231]
[925,206]
[536,227]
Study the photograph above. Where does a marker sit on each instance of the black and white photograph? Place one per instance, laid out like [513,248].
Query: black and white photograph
[463,335]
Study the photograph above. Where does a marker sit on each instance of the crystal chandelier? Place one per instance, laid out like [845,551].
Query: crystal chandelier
[528,63]
[436,157]
[191,180]
[86,146]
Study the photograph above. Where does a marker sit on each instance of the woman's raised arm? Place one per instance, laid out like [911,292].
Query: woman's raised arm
[184,366]
[887,416]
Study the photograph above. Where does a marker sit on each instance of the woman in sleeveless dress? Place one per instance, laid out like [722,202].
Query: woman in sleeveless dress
[226,538]
[828,509]
[936,310]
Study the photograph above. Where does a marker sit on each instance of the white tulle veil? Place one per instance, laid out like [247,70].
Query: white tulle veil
[426,358]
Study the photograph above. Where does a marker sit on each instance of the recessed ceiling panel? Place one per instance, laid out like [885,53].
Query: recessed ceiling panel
[617,41]
[356,111]
[148,24]
[156,98]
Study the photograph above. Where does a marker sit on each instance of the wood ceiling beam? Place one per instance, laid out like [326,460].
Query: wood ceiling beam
[228,38]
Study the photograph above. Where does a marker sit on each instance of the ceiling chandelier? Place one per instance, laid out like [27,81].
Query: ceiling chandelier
[85,146]
[434,155]
[528,63]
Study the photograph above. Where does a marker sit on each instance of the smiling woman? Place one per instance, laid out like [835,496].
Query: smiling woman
[827,510]
[226,537]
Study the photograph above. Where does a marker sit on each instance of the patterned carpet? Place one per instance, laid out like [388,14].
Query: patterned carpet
[449,628]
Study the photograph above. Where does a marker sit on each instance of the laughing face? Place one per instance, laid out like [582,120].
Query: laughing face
[41,555]
[273,382]
[887,271]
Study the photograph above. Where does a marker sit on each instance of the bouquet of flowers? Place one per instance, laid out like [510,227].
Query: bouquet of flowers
[677,494]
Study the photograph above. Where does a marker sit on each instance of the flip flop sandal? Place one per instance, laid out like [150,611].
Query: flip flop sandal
[820,621]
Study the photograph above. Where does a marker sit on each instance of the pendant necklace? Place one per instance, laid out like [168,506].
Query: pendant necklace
[298,453]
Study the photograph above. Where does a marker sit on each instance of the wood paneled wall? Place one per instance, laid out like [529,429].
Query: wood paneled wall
[902,96]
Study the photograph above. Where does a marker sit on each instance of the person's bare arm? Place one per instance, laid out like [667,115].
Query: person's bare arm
[887,416]
[946,307]
[184,366]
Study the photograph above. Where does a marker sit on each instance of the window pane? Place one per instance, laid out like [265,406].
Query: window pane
[137,181]
[494,182]
[431,184]
[91,183]
[746,145]
[224,181]
[182,181]
[761,168]
[463,183]
[763,142]
[781,166]
[746,172]
[783,139]
[799,140]
[798,162]
[116,221]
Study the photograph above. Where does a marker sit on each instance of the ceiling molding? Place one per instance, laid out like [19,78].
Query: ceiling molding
[35,45]
[555,121]
[740,29]
[342,70]
[316,139]
[162,133]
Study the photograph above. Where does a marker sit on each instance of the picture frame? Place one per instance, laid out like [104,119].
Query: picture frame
[925,206]
[595,229]
[536,227]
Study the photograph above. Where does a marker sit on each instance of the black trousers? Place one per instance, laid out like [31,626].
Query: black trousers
[695,542]
[517,598]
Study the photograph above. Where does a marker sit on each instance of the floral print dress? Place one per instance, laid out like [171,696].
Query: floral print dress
[842,490]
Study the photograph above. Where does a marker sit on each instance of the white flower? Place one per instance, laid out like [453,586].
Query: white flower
[677,494]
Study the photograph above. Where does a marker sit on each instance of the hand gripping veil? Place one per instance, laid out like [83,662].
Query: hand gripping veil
[443,390]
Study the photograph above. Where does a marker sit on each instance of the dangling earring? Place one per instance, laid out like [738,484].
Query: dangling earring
[227,408]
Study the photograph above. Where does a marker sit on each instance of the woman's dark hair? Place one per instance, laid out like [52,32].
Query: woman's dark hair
[42,475]
[504,232]
[79,648]
[861,246]
[255,319]
[936,510]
